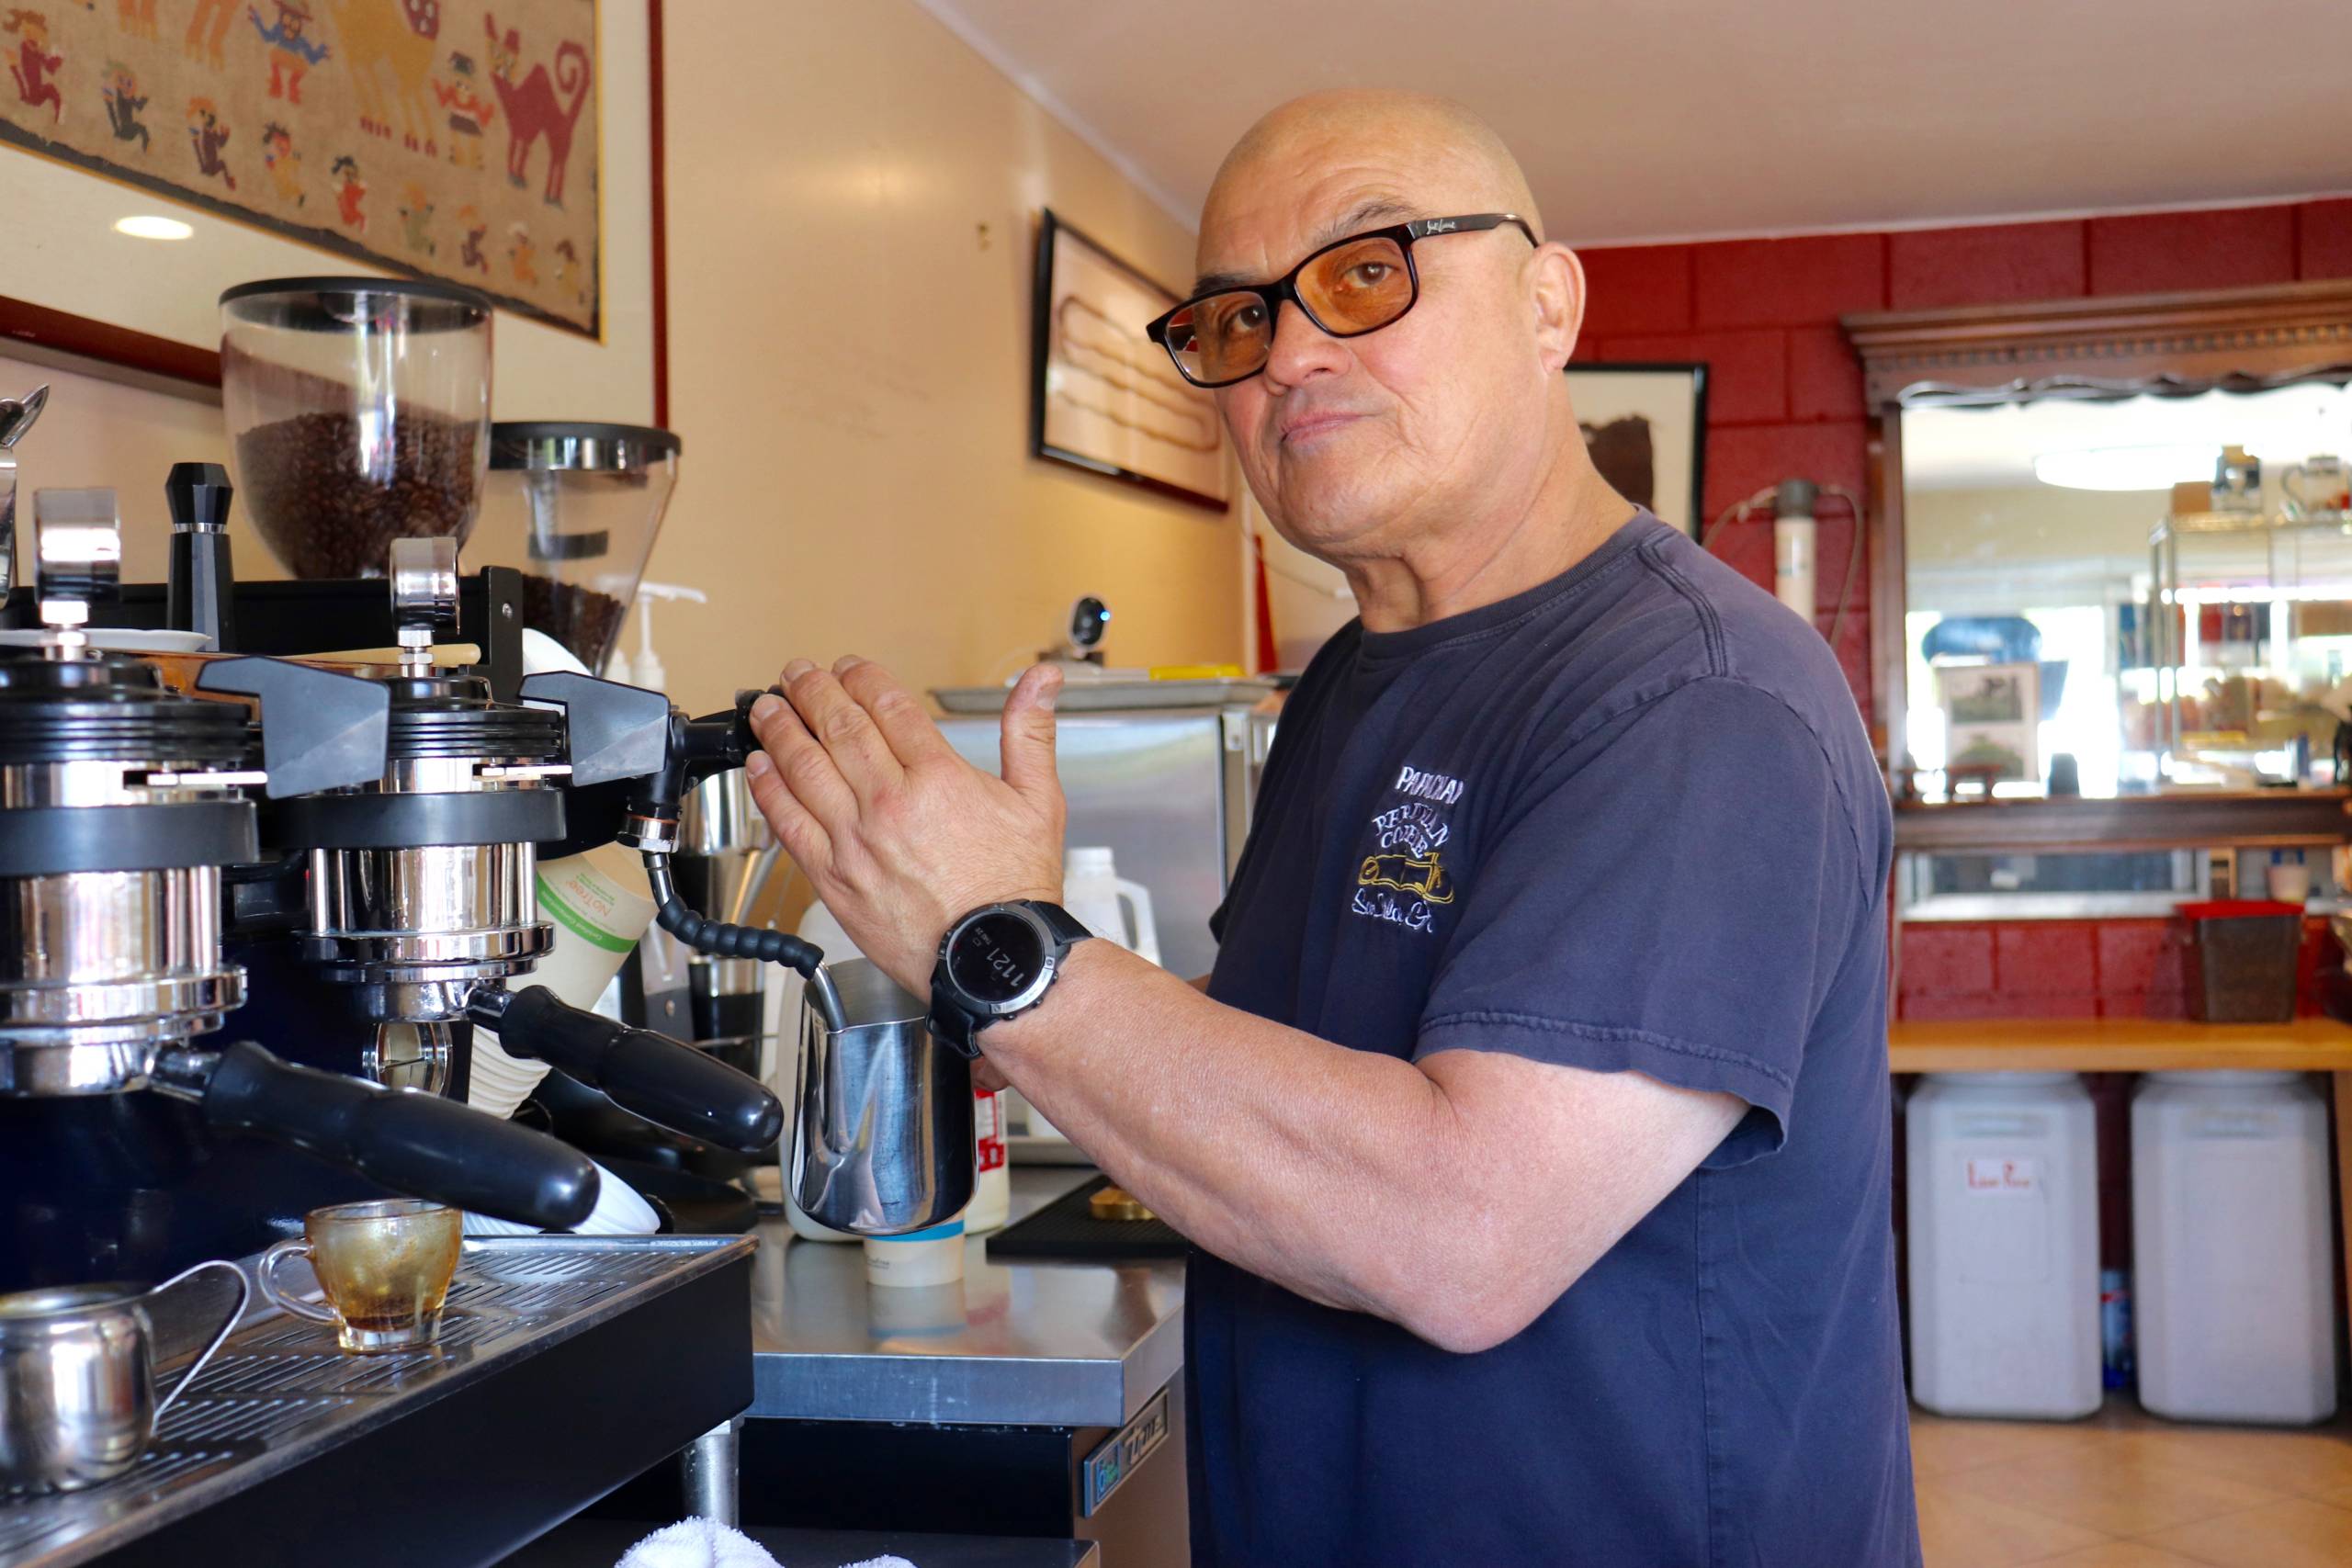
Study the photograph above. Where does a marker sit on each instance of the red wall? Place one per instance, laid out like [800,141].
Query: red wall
[1784,393]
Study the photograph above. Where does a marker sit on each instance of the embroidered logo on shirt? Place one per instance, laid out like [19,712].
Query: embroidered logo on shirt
[1406,882]
[1416,827]
[1411,781]
[1422,876]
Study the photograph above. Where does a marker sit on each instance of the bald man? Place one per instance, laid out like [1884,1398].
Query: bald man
[1533,1130]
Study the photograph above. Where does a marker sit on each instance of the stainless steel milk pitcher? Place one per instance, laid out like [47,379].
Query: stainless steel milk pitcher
[882,1112]
[77,1381]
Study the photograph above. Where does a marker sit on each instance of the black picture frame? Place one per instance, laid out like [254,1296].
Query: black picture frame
[1598,374]
[1051,230]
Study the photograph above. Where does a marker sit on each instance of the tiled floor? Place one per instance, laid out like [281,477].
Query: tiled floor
[2125,1490]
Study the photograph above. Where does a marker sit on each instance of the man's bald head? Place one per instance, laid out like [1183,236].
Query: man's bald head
[1425,138]
[1430,432]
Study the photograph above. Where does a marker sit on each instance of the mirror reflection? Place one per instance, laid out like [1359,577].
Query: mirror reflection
[2111,597]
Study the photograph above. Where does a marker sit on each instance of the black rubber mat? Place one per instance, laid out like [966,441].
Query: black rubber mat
[1066,1231]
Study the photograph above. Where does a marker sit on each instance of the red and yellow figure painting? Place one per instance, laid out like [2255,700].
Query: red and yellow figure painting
[285,164]
[34,66]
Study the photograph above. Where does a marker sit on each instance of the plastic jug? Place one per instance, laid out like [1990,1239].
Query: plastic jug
[2003,1202]
[2235,1295]
[1093,890]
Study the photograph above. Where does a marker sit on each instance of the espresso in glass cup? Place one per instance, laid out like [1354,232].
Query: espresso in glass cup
[384,1267]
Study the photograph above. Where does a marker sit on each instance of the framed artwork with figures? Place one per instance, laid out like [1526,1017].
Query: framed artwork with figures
[1104,396]
[456,140]
[1647,428]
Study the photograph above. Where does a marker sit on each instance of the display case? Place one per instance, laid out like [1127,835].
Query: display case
[2235,671]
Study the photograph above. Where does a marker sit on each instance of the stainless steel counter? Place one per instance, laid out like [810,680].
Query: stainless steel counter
[1023,1344]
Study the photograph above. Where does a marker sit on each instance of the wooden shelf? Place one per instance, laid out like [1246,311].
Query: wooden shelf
[2185,820]
[2119,1045]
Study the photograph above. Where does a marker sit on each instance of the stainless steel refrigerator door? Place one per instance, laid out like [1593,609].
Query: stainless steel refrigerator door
[1154,785]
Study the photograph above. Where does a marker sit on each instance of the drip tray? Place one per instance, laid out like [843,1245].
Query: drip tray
[565,1365]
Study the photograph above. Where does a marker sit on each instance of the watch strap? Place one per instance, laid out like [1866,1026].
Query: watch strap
[1068,929]
[953,1027]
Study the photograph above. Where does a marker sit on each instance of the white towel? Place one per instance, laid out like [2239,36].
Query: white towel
[883,1562]
[621,1210]
[697,1543]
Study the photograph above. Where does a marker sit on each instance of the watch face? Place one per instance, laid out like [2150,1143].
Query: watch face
[997,957]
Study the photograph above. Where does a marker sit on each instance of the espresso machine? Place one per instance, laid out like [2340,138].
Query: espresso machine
[268,860]
[404,905]
[378,901]
[130,1144]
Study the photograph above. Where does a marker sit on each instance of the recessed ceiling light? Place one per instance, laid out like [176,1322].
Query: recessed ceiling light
[2125,468]
[149,227]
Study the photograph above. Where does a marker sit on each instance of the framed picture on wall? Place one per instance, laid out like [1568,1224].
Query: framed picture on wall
[1647,428]
[172,167]
[1105,398]
[1992,716]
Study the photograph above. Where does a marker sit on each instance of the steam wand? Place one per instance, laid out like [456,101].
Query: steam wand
[624,732]
[721,939]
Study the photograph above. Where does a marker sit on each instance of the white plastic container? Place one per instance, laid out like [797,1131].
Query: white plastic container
[991,1202]
[2004,1246]
[1113,908]
[931,1257]
[2234,1297]
[1106,903]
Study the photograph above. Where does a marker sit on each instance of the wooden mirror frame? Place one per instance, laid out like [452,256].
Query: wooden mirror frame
[2170,344]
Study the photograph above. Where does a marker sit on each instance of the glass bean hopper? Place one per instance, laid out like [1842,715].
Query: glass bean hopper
[358,413]
[575,507]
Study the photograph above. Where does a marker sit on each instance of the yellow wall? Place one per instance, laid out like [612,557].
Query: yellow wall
[853,195]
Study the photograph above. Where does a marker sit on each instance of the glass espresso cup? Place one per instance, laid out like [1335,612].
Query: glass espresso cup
[385,1267]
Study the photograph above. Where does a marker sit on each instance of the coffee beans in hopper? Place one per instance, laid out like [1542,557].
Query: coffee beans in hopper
[582,619]
[329,506]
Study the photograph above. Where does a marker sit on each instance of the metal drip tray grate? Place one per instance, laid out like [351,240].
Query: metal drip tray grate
[281,1391]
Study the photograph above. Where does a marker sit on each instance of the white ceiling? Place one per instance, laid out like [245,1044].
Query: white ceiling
[1990,449]
[1681,118]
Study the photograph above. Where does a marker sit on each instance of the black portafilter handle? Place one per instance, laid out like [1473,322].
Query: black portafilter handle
[202,585]
[413,1143]
[663,1080]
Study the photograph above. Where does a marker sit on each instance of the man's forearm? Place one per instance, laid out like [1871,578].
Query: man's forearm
[1302,1161]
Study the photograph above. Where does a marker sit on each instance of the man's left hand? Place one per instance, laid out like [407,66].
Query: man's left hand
[899,834]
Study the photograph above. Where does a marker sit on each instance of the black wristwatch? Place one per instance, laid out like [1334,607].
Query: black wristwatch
[995,961]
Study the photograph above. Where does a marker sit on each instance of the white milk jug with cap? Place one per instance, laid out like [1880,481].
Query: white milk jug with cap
[1112,908]
[1106,903]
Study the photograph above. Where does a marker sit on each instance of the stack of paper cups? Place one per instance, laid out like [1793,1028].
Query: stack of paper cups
[600,904]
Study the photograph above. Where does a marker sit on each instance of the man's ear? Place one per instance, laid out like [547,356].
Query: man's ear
[1557,285]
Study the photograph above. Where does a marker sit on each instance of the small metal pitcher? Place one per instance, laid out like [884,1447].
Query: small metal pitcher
[77,1381]
[882,1112]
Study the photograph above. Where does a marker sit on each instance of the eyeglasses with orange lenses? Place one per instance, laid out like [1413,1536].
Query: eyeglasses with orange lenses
[1349,288]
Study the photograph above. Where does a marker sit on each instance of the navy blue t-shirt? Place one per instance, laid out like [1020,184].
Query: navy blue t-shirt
[1624,820]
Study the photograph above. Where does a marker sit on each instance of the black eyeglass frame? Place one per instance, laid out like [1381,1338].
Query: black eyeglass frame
[1285,287]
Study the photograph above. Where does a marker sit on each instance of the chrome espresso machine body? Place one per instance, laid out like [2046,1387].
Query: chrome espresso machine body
[130,1144]
[418,909]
